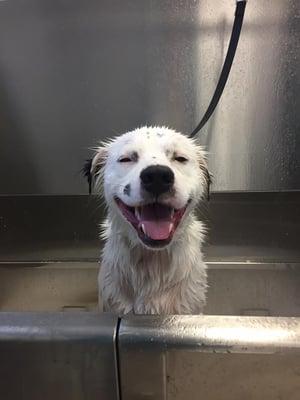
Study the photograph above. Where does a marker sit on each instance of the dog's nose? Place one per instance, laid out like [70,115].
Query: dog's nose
[157,179]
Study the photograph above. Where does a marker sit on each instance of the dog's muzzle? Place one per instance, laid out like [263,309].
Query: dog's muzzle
[157,179]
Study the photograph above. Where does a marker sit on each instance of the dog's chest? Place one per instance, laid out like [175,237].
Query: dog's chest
[154,285]
[170,281]
[148,272]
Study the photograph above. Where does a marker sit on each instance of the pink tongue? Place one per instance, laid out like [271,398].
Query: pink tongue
[156,220]
[157,230]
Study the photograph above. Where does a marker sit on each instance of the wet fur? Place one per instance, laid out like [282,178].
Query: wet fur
[134,278]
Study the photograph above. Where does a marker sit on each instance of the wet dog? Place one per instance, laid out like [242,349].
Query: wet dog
[152,179]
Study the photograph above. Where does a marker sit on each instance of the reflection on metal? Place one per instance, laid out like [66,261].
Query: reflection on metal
[210,333]
[73,74]
[234,289]
[58,356]
[243,334]
[242,227]
[181,357]
[82,356]
[48,256]
[49,253]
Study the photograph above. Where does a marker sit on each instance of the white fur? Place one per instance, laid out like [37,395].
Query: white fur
[133,277]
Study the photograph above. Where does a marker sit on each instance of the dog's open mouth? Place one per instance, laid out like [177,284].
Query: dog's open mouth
[155,223]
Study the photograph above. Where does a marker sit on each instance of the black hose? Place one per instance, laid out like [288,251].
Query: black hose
[235,35]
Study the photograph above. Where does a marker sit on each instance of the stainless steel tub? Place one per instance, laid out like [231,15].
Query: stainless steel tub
[54,344]
[261,289]
[98,356]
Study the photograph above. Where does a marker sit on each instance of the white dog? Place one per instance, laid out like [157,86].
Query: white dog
[152,178]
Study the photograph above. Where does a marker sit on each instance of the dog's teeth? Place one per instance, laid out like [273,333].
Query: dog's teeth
[170,228]
[143,229]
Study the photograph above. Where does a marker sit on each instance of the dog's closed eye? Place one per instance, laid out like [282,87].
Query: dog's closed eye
[181,159]
[124,159]
[132,157]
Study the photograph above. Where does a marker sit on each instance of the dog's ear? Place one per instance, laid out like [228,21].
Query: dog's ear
[93,166]
[207,178]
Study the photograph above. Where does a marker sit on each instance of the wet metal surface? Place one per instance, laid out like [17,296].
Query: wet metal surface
[234,289]
[258,227]
[72,73]
[80,355]
[49,253]
[212,356]
[235,376]
[212,333]
[58,356]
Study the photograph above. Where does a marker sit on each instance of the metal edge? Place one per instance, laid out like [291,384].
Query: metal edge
[228,334]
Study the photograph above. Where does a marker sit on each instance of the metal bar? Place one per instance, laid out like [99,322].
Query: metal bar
[183,356]
[58,356]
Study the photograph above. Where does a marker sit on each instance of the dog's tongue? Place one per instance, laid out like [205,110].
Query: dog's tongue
[157,221]
[157,230]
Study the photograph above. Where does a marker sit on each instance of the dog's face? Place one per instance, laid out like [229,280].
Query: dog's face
[152,178]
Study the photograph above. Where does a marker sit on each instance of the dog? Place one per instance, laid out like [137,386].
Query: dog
[152,178]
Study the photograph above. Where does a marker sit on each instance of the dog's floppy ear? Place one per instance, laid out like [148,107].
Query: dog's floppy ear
[207,178]
[93,166]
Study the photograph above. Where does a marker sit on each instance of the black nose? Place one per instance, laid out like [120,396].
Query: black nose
[157,179]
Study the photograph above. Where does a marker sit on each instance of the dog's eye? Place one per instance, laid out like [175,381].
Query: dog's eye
[180,159]
[124,159]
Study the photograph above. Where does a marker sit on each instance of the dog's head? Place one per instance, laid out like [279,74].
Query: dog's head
[151,179]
